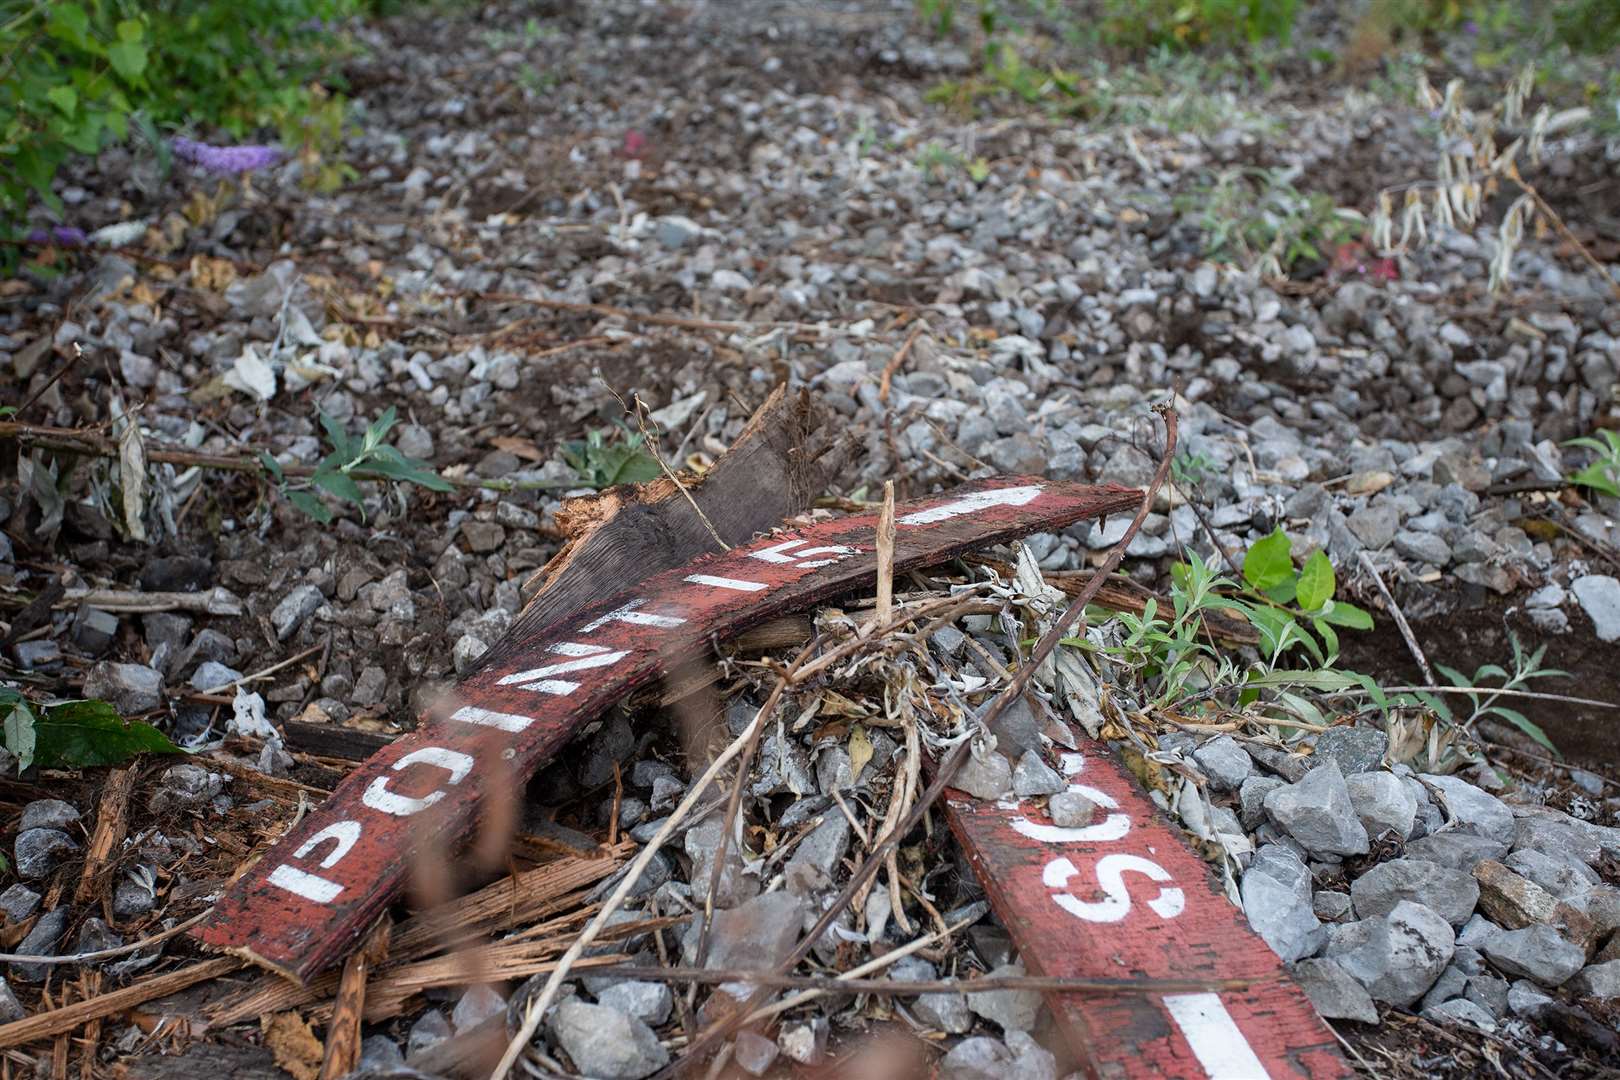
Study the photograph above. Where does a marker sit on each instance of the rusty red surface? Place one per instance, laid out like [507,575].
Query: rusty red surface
[1125,896]
[303,906]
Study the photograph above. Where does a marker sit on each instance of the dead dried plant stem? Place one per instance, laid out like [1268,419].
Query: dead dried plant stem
[104,954]
[1563,230]
[1494,691]
[651,441]
[885,554]
[265,673]
[853,982]
[1400,618]
[112,818]
[895,361]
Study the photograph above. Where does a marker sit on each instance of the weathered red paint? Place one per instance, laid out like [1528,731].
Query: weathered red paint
[1132,899]
[305,904]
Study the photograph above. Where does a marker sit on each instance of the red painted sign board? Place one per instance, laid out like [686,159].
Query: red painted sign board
[304,905]
[1125,896]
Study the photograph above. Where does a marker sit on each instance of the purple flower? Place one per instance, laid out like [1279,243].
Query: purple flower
[62,235]
[1471,28]
[224,159]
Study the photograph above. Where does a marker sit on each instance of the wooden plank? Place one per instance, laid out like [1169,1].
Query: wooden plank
[1125,896]
[302,907]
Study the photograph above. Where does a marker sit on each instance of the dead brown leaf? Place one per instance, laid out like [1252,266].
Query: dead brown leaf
[294,1045]
[523,448]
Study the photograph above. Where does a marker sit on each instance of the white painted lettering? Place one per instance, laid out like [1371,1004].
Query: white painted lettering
[779,553]
[1110,871]
[972,504]
[584,658]
[378,797]
[312,886]
[472,714]
[725,583]
[1214,1036]
[629,614]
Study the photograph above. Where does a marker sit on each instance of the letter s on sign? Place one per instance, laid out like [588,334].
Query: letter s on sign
[313,886]
[378,797]
[1116,904]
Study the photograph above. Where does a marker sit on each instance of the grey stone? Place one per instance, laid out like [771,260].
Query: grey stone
[478,1004]
[1599,597]
[1450,893]
[604,1042]
[1225,762]
[42,940]
[1470,810]
[1460,1010]
[1356,749]
[130,688]
[978,1058]
[1423,547]
[1538,952]
[18,902]
[1252,797]
[1489,993]
[1276,894]
[369,687]
[132,898]
[10,1008]
[48,814]
[649,1002]
[1383,803]
[1554,833]
[754,1053]
[211,675]
[814,863]
[1458,850]
[1528,1000]
[1333,992]
[1404,954]
[755,935]
[379,1054]
[94,629]
[1071,810]
[943,1011]
[1330,906]
[1034,776]
[1597,980]
[37,655]
[1318,814]
[1012,1010]
[39,851]
[1476,932]
[1374,526]
[1017,729]
[294,608]
[1562,876]
[987,777]
[702,844]
[1031,1060]
[805,1043]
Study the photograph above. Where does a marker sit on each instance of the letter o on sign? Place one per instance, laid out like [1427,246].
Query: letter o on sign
[378,797]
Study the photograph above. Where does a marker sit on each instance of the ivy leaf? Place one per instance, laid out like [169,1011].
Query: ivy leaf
[1316,582]
[1268,564]
[82,734]
[65,98]
[18,727]
[128,58]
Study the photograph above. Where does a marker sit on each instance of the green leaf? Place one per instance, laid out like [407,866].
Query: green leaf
[18,728]
[271,465]
[68,22]
[1343,613]
[342,448]
[1268,564]
[379,428]
[339,484]
[130,30]
[1457,678]
[81,734]
[65,98]
[1526,725]
[1316,582]
[310,503]
[1323,680]
[128,58]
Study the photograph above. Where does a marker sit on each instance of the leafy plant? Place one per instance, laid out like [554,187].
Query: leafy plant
[934,159]
[74,734]
[1189,470]
[77,72]
[1257,217]
[1190,23]
[1602,474]
[1282,600]
[1526,666]
[608,456]
[350,461]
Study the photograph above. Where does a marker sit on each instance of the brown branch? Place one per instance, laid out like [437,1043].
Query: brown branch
[898,988]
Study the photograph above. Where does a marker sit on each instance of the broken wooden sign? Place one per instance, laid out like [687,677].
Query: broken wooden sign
[1125,897]
[306,903]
